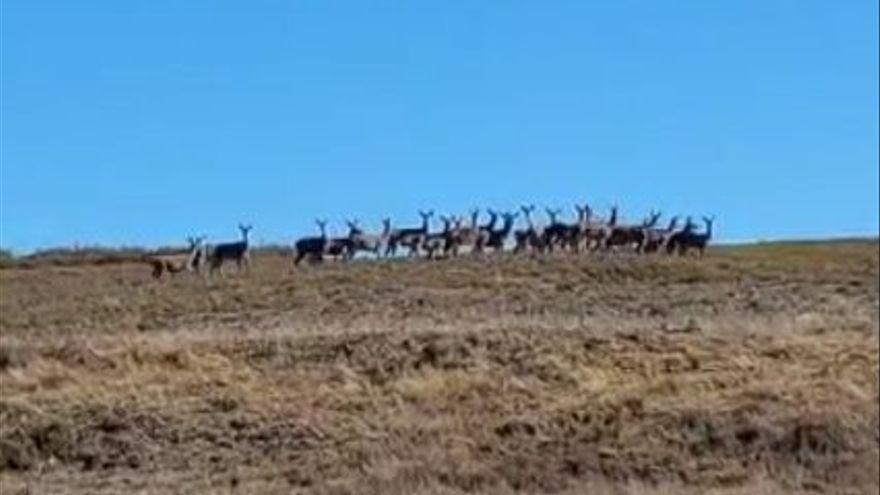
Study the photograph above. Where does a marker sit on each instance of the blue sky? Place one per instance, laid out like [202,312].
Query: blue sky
[144,122]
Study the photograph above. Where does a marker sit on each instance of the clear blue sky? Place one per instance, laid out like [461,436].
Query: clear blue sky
[143,122]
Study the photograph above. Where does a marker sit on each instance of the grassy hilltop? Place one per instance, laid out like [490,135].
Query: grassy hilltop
[753,370]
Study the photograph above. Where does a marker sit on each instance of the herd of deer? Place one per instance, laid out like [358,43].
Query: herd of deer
[587,234]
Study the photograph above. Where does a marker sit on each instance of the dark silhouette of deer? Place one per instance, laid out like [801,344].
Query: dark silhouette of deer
[235,251]
[485,231]
[342,248]
[410,237]
[521,236]
[557,233]
[313,247]
[496,238]
[688,239]
[631,235]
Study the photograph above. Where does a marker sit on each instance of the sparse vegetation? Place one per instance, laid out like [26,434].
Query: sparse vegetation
[753,370]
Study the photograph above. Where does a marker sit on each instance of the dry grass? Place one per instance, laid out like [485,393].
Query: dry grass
[752,371]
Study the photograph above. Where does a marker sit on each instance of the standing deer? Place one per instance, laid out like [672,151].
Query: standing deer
[464,235]
[496,238]
[342,248]
[484,231]
[435,243]
[236,251]
[557,233]
[591,232]
[313,247]
[688,239]
[172,264]
[528,238]
[656,239]
[411,237]
[631,235]
[369,242]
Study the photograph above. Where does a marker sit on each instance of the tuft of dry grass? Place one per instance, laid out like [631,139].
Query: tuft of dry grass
[754,370]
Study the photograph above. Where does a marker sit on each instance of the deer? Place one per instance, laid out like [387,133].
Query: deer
[341,248]
[688,239]
[578,232]
[464,235]
[591,231]
[436,242]
[656,239]
[237,251]
[530,237]
[313,247]
[482,233]
[410,237]
[631,235]
[496,238]
[557,233]
[172,264]
[369,242]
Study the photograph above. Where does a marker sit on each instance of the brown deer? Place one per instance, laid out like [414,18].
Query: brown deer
[172,264]
[656,239]
[464,235]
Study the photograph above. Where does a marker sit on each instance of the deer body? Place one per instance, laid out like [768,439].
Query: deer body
[173,264]
[313,247]
[235,251]
[631,235]
[464,235]
[411,237]
[558,233]
[688,239]
[436,242]
[368,242]
[656,239]
[496,238]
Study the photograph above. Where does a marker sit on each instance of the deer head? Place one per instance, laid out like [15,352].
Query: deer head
[493,218]
[612,220]
[447,221]
[194,241]
[426,218]
[322,226]
[652,219]
[353,228]
[709,221]
[509,218]
[553,214]
[245,229]
[588,212]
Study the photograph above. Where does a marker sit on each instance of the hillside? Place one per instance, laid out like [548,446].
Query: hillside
[753,370]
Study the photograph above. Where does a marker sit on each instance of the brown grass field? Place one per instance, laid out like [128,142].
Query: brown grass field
[754,370]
